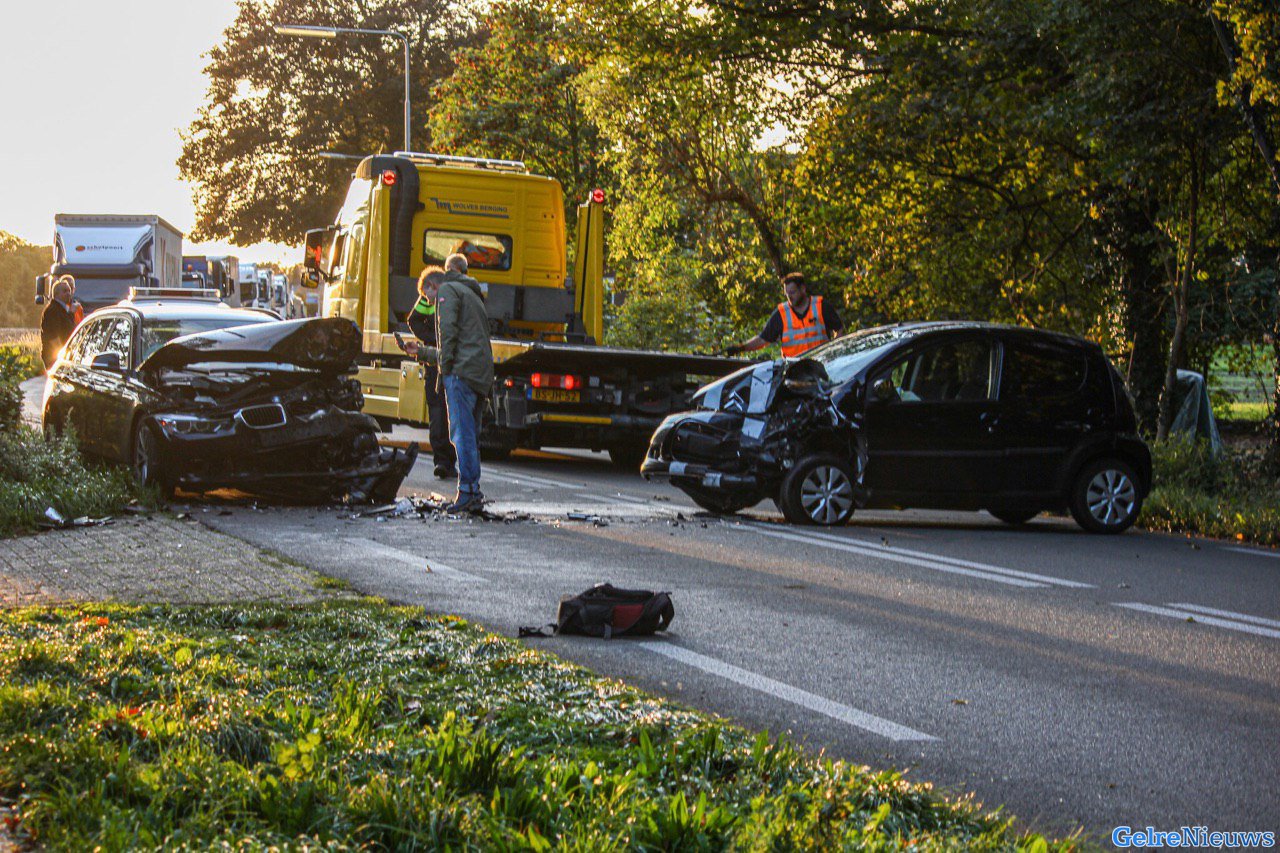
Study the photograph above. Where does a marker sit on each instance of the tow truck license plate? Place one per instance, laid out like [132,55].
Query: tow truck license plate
[554,395]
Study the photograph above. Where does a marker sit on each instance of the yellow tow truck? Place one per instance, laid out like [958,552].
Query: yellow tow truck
[555,385]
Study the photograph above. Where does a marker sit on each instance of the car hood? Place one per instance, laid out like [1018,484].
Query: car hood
[327,344]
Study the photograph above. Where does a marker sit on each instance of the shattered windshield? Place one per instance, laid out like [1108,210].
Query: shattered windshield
[157,333]
[845,356]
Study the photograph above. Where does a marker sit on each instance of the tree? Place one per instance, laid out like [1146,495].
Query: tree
[276,102]
[20,263]
[514,95]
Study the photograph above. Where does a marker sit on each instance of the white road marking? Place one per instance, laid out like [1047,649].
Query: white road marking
[956,561]
[433,566]
[1207,620]
[893,556]
[1228,614]
[794,695]
[1257,552]
[612,498]
[528,479]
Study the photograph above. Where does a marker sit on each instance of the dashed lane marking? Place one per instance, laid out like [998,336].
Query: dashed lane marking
[433,566]
[1184,615]
[1229,614]
[788,693]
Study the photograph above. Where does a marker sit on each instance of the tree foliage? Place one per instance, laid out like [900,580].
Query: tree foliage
[275,102]
[20,263]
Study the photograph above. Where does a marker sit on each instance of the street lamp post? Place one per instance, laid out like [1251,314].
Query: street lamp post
[307,31]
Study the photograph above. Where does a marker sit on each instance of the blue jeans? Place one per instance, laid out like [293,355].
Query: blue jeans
[465,408]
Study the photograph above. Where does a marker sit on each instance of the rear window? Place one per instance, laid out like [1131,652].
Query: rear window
[482,251]
[1034,371]
[157,333]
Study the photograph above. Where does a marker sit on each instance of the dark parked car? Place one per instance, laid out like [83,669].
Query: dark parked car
[954,415]
[198,395]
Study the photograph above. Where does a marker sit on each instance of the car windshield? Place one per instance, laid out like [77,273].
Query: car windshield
[845,356]
[157,333]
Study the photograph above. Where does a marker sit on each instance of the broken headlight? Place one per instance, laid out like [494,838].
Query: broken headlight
[193,424]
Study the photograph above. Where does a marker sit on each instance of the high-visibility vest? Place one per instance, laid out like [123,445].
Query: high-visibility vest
[801,334]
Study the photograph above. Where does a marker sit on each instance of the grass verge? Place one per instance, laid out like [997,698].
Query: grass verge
[1231,496]
[37,473]
[363,725]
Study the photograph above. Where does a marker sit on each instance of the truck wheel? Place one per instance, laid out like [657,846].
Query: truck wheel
[819,489]
[718,502]
[628,456]
[1105,497]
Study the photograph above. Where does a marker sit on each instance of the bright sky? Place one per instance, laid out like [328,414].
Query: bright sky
[93,94]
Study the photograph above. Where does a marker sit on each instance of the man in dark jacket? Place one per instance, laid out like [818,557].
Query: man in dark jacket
[56,323]
[422,321]
[465,359]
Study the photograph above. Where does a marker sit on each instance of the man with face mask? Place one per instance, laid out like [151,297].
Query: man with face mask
[800,323]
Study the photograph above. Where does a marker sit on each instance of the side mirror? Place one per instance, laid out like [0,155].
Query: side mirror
[108,361]
[883,390]
[42,284]
[317,257]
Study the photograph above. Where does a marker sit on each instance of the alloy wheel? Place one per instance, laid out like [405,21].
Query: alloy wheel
[1111,497]
[826,494]
[144,454]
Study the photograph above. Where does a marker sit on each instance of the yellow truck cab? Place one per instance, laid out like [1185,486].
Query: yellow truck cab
[554,385]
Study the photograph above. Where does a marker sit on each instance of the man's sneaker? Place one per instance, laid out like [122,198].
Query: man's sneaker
[446,472]
[467,503]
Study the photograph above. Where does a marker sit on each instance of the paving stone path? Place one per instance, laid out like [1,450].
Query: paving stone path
[147,560]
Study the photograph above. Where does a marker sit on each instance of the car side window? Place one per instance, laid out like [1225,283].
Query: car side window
[93,342]
[119,339]
[1036,371]
[949,372]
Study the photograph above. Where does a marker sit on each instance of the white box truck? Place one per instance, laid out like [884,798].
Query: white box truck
[108,254]
[248,278]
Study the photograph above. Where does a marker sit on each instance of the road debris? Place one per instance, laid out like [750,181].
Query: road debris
[54,520]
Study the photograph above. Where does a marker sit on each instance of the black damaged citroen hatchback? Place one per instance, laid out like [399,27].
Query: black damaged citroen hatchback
[947,415]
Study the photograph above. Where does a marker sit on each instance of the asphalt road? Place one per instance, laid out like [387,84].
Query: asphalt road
[1079,681]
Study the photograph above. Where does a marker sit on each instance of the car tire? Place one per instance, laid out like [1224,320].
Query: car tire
[1105,496]
[718,502]
[1015,516]
[145,461]
[818,489]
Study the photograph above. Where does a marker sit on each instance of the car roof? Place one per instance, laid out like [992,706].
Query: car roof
[188,309]
[922,327]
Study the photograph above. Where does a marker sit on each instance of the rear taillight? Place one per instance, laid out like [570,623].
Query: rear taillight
[566,381]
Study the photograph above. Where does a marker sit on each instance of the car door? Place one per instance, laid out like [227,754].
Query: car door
[1044,411]
[120,390]
[75,391]
[928,436]
[105,392]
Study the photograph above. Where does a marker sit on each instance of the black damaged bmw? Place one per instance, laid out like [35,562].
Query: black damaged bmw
[194,394]
[947,415]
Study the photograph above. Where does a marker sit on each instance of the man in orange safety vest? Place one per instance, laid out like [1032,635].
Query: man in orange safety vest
[799,324]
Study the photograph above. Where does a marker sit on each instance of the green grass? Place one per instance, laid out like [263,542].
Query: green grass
[359,725]
[1231,496]
[1236,410]
[36,473]
[23,352]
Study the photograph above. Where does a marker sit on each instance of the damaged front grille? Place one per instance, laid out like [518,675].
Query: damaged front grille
[262,417]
